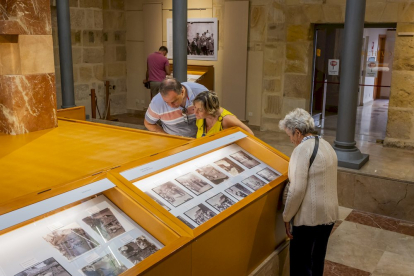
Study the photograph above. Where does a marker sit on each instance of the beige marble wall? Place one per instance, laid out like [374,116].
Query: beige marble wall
[98,51]
[376,195]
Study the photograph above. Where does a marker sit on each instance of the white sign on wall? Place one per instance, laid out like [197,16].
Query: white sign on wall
[333,67]
[372,69]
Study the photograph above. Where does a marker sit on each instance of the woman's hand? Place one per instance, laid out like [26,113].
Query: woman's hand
[287,226]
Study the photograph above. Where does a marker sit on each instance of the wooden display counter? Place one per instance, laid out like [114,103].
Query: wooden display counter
[236,240]
[202,74]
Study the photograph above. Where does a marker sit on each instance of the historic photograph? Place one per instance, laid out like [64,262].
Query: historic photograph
[200,214]
[105,224]
[268,174]
[194,183]
[220,202]
[186,222]
[253,182]
[202,38]
[238,191]
[158,201]
[229,166]
[245,159]
[71,241]
[212,174]
[138,249]
[49,267]
[172,193]
[105,266]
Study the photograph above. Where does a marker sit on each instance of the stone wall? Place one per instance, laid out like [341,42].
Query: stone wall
[98,29]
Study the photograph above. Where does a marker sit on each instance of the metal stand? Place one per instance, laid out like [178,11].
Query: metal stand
[349,156]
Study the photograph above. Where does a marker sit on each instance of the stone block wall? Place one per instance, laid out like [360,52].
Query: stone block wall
[27,79]
[98,28]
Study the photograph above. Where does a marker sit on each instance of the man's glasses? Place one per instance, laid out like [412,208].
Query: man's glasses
[184,113]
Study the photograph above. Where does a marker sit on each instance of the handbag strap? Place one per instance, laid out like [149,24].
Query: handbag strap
[315,151]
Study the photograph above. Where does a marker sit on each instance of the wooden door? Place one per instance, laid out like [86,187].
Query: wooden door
[380,59]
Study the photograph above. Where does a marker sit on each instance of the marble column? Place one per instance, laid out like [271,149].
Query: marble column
[27,74]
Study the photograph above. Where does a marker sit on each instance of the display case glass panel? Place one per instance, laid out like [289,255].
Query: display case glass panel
[201,188]
[91,238]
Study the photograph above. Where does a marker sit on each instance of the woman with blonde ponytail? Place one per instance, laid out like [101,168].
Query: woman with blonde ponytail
[211,117]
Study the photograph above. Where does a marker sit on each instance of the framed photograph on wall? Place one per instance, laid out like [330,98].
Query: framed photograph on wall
[202,38]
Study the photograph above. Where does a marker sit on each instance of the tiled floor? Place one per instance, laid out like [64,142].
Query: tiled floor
[368,244]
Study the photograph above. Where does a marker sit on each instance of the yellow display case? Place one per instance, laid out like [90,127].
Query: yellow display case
[202,74]
[224,190]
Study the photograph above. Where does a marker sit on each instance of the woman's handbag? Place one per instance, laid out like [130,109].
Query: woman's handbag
[315,151]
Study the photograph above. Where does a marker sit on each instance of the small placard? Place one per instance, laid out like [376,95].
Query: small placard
[29,263]
[93,210]
[55,226]
[92,257]
[125,239]
[333,67]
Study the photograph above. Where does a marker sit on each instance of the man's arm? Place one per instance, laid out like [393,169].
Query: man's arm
[153,127]
[167,69]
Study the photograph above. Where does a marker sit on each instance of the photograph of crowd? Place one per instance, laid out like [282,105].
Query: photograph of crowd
[186,222]
[194,183]
[253,182]
[172,193]
[49,267]
[71,241]
[105,266]
[138,249]
[268,174]
[229,166]
[238,191]
[158,201]
[212,174]
[245,159]
[105,224]
[200,214]
[220,202]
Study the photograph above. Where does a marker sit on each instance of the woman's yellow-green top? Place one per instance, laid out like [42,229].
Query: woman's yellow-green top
[217,127]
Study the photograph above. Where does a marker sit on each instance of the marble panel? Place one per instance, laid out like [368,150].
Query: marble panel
[352,255]
[32,17]
[27,103]
[392,264]
[336,269]
[344,212]
[406,228]
[336,226]
[36,54]
[373,220]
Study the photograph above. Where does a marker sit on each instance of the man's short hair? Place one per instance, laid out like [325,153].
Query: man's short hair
[170,84]
[163,48]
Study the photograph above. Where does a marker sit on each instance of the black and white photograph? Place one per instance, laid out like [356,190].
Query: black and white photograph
[220,202]
[138,249]
[268,174]
[202,38]
[105,266]
[105,224]
[238,191]
[49,267]
[194,183]
[158,201]
[229,166]
[186,222]
[200,214]
[71,241]
[253,182]
[212,174]
[245,159]
[172,193]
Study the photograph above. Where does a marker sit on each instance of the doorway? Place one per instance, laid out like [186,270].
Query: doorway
[374,83]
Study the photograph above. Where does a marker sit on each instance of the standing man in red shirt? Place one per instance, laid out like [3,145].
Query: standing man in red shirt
[158,67]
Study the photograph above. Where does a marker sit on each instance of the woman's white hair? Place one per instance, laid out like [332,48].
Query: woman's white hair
[298,119]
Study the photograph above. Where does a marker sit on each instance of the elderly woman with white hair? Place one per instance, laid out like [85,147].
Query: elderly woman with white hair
[311,207]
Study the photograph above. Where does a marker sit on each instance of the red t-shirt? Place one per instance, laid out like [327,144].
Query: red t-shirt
[156,66]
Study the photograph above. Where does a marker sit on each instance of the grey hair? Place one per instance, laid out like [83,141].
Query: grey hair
[298,119]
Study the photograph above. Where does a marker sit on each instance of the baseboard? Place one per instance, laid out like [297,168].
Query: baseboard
[277,264]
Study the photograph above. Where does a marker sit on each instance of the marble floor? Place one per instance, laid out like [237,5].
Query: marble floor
[364,244]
